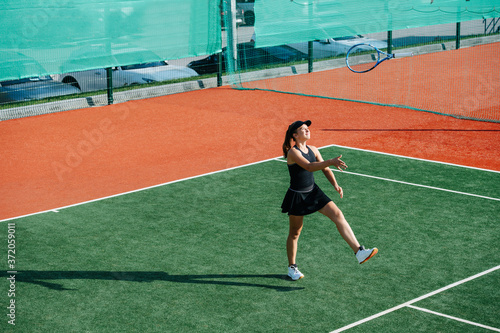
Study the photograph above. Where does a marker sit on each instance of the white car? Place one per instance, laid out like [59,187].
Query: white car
[95,79]
[336,46]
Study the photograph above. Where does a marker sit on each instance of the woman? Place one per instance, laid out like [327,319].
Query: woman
[305,197]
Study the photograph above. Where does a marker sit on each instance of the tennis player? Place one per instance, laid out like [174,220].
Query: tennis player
[304,197]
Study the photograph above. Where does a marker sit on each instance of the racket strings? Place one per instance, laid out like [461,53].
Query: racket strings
[362,58]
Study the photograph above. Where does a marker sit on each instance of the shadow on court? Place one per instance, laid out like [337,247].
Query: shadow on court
[405,130]
[237,280]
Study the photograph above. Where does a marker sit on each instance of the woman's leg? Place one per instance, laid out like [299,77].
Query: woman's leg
[335,214]
[296,223]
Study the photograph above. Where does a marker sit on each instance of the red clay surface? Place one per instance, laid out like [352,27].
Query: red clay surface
[64,158]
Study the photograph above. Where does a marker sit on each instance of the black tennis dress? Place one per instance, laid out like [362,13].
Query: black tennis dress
[303,196]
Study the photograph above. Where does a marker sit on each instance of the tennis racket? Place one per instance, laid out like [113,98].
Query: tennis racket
[363,57]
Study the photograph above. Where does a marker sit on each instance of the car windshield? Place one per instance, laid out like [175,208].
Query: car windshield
[146,65]
[28,79]
[348,37]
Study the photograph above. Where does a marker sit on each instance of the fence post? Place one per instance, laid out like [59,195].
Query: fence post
[457,39]
[219,69]
[310,57]
[109,79]
[232,38]
[389,41]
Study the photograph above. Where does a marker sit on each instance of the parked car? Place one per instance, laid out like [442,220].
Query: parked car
[336,46]
[152,70]
[240,19]
[248,12]
[95,79]
[249,57]
[33,88]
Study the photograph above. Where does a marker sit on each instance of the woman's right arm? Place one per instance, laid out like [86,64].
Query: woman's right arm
[294,156]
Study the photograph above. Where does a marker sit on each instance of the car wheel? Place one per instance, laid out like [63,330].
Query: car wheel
[249,18]
[72,81]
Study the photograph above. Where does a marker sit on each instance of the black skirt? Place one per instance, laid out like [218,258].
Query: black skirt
[304,203]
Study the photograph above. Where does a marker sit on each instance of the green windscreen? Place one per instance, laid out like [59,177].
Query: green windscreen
[57,36]
[288,21]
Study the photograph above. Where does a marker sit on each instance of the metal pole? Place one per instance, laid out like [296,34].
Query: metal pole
[219,69]
[231,53]
[232,38]
[109,79]
[310,47]
[310,57]
[457,39]
[389,41]
[219,55]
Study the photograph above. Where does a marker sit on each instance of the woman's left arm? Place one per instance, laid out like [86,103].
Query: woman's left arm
[329,173]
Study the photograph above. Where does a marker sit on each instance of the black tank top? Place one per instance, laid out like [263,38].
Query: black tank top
[302,180]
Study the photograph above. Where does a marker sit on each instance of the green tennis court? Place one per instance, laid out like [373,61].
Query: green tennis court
[207,254]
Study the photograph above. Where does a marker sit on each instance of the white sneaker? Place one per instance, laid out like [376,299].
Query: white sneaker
[363,255]
[294,273]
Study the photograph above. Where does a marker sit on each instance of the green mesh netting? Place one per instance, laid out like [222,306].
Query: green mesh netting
[56,36]
[288,21]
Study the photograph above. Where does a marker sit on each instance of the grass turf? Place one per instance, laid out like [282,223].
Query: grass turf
[207,254]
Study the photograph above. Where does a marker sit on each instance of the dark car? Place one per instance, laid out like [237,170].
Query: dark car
[249,57]
[248,13]
[240,18]
[33,88]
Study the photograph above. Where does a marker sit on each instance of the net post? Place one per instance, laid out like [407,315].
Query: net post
[309,57]
[109,80]
[457,38]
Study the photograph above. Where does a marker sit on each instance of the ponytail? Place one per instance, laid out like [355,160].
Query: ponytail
[287,144]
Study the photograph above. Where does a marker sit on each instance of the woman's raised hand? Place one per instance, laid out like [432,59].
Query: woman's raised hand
[338,163]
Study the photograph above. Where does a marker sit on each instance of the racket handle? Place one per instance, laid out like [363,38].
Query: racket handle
[405,54]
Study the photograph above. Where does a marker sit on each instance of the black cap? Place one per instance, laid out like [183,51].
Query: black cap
[293,127]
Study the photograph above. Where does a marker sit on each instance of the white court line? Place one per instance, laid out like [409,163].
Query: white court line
[56,210]
[411,158]
[435,292]
[455,318]
[407,183]
[210,173]
[419,185]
